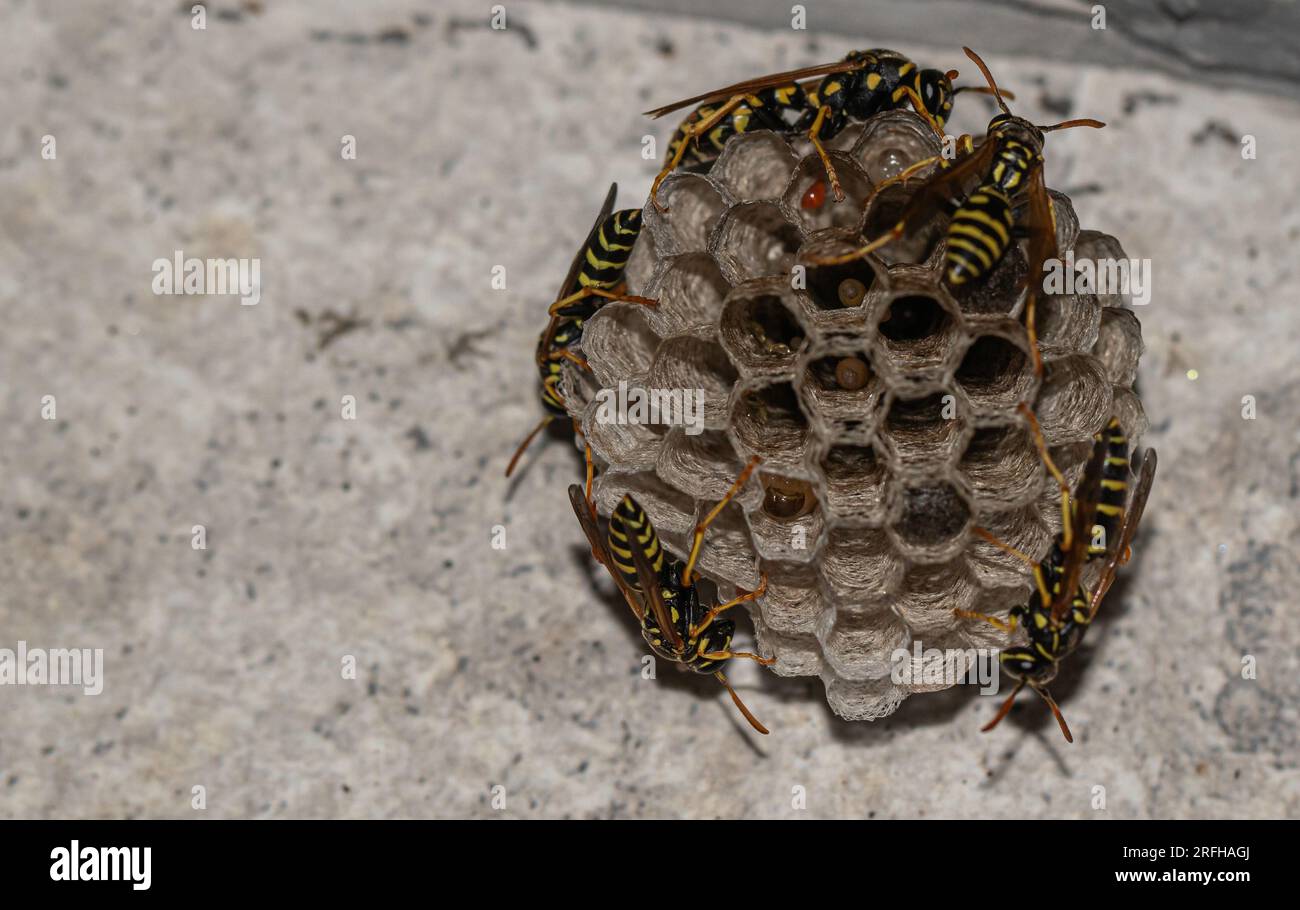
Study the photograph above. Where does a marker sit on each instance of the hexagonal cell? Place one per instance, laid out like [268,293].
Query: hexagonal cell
[1067,222]
[1128,408]
[944,657]
[996,372]
[792,603]
[1119,345]
[1066,322]
[1075,400]
[633,446]
[690,292]
[703,466]
[931,523]
[796,655]
[756,241]
[727,552]
[893,141]
[918,329]
[793,538]
[864,700]
[846,286]
[861,645]
[1023,529]
[767,421]
[883,211]
[860,565]
[923,433]
[842,389]
[671,511]
[760,330]
[693,210]
[855,485]
[931,593]
[1002,467]
[755,165]
[641,264]
[619,343]
[808,194]
[688,369]
[1104,252]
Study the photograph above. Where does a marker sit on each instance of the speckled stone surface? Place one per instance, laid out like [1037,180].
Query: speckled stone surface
[482,667]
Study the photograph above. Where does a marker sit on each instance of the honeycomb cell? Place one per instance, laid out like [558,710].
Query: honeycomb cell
[760,330]
[1119,345]
[1075,400]
[809,196]
[1128,408]
[996,372]
[931,593]
[619,343]
[780,531]
[994,602]
[1023,529]
[767,421]
[1104,253]
[931,523]
[892,142]
[756,240]
[1066,323]
[999,294]
[925,433]
[633,445]
[863,700]
[689,369]
[755,165]
[859,565]
[841,390]
[703,466]
[918,331]
[671,511]
[847,286]
[641,265]
[1002,467]
[792,603]
[855,485]
[690,295]
[861,646]
[727,550]
[693,207]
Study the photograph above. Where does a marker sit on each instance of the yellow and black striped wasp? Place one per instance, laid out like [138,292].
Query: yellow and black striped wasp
[661,591]
[862,84]
[595,278]
[1095,524]
[1008,161]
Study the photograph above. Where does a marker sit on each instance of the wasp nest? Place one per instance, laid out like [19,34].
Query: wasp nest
[883,405]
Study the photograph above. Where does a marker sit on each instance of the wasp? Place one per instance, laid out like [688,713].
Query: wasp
[1096,524]
[1009,160]
[862,84]
[595,278]
[661,591]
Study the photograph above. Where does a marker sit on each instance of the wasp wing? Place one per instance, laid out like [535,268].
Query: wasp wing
[649,580]
[948,184]
[599,549]
[544,347]
[757,85]
[1083,514]
[1132,516]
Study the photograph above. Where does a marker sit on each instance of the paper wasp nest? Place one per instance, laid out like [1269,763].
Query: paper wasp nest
[886,428]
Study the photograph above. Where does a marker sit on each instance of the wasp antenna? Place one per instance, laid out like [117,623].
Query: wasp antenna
[1056,712]
[1005,709]
[988,77]
[753,721]
[1068,124]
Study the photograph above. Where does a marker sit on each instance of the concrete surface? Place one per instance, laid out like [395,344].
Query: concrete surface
[371,538]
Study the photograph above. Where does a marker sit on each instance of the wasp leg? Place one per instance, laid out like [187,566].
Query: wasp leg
[591,471]
[913,97]
[1040,441]
[569,301]
[1005,709]
[1039,580]
[700,528]
[1002,625]
[716,611]
[753,721]
[691,133]
[813,130]
[527,441]
[728,655]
